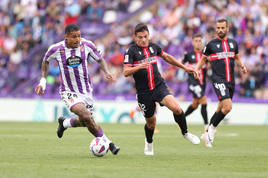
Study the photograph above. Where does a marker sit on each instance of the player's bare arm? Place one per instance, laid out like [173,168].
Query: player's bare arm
[171,60]
[40,88]
[130,70]
[240,64]
[200,64]
[110,77]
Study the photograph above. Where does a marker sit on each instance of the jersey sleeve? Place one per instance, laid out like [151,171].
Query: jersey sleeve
[207,50]
[51,53]
[159,50]
[236,47]
[185,59]
[94,52]
[129,57]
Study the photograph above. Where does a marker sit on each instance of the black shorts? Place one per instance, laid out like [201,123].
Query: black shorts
[224,90]
[197,90]
[147,100]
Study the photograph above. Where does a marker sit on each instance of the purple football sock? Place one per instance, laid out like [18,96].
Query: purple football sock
[99,133]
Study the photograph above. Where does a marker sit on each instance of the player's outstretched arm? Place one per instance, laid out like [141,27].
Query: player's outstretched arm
[41,87]
[130,70]
[240,64]
[200,64]
[110,77]
[171,60]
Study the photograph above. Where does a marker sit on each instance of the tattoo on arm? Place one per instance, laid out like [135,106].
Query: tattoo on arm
[103,65]
[45,68]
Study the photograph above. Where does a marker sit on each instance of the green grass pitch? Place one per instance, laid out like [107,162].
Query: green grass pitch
[33,150]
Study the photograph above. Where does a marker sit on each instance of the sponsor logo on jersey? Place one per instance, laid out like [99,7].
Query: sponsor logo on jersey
[139,52]
[74,61]
[193,56]
[225,55]
[150,60]
[218,45]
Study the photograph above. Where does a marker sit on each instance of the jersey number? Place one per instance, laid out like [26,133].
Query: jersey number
[221,87]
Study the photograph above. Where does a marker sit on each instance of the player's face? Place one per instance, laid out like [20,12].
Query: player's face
[73,39]
[221,29]
[142,38]
[197,43]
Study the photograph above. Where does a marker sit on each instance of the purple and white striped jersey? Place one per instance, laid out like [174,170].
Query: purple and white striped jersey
[73,64]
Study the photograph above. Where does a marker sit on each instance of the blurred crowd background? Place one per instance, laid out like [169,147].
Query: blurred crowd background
[28,27]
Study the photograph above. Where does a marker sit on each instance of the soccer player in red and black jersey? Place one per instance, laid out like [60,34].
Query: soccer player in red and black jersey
[197,86]
[141,62]
[222,52]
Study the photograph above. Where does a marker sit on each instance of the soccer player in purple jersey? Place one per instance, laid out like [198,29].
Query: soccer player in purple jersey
[141,62]
[72,56]
[222,53]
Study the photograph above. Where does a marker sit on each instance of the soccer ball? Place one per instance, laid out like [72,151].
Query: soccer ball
[99,146]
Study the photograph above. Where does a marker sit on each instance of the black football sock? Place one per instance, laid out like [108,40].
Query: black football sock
[204,113]
[181,120]
[189,110]
[149,134]
[219,117]
[213,118]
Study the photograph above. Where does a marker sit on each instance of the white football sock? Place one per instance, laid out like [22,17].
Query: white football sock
[106,138]
[211,127]
[67,123]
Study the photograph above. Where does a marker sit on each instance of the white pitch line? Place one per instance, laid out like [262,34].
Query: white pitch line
[227,134]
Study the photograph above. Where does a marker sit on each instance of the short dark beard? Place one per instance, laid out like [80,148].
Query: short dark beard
[222,36]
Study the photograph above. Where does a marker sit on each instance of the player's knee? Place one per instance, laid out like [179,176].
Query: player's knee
[195,105]
[151,125]
[177,110]
[226,109]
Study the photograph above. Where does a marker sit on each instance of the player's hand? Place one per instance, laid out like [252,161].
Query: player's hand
[192,71]
[197,76]
[244,69]
[110,78]
[39,90]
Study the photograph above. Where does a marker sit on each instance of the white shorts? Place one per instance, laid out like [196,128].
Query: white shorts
[71,99]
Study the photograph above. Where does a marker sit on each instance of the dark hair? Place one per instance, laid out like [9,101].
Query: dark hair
[140,28]
[71,27]
[223,20]
[198,35]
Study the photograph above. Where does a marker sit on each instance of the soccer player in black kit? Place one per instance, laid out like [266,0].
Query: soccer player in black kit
[222,53]
[140,60]
[197,86]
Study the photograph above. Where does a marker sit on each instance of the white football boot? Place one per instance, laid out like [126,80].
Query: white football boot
[206,140]
[211,133]
[192,138]
[148,148]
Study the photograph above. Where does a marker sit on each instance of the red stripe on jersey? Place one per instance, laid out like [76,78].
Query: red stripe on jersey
[150,71]
[226,60]
[213,57]
[198,57]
